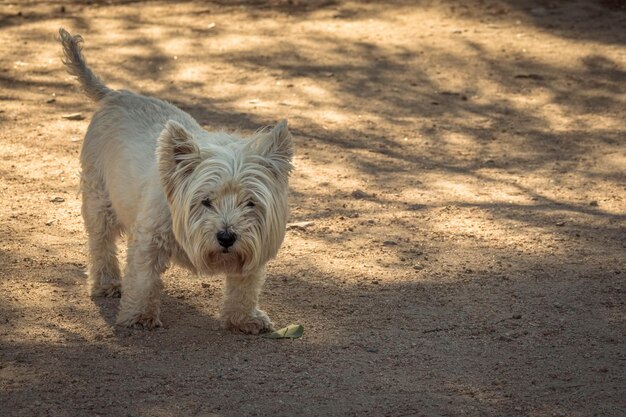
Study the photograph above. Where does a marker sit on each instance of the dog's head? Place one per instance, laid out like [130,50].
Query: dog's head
[227,196]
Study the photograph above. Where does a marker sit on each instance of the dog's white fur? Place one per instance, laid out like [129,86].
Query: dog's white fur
[150,171]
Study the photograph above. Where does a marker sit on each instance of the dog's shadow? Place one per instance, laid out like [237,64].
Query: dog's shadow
[180,318]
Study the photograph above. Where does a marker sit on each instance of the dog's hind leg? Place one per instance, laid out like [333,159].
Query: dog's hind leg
[103,230]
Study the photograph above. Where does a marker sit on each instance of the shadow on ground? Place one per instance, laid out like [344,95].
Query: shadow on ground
[466,251]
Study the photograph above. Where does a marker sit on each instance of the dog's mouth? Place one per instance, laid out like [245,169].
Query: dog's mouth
[223,260]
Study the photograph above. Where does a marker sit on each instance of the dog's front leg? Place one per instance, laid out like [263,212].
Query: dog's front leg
[141,286]
[240,310]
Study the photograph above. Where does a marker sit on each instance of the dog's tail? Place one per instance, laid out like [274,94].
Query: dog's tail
[76,66]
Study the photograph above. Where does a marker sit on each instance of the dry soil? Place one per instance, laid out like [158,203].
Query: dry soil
[460,168]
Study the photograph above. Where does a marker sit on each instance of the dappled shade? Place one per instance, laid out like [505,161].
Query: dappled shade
[458,194]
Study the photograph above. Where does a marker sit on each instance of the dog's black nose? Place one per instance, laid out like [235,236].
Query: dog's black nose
[226,239]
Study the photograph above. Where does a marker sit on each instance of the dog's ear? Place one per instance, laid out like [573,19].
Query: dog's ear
[278,149]
[177,155]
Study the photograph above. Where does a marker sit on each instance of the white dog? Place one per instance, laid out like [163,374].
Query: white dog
[211,201]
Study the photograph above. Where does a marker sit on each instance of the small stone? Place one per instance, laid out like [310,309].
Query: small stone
[390,243]
[416,207]
[418,267]
[359,194]
[74,116]
[299,225]
[57,200]
[593,203]
[50,222]
[560,224]
[535,77]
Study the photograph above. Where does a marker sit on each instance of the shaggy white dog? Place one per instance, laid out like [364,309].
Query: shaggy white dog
[210,201]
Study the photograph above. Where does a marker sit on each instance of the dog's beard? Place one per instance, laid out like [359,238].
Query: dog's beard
[213,259]
[224,260]
[208,257]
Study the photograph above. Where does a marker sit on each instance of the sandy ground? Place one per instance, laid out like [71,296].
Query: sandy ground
[462,165]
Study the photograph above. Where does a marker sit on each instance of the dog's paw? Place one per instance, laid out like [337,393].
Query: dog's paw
[139,321]
[255,323]
[112,289]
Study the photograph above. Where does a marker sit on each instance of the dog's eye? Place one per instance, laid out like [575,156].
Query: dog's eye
[250,204]
[207,203]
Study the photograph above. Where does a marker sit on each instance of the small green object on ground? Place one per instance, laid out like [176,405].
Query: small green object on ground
[293,331]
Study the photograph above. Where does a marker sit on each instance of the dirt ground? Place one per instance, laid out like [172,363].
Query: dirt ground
[462,167]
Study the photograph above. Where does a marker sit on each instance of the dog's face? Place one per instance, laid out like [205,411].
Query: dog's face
[229,202]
